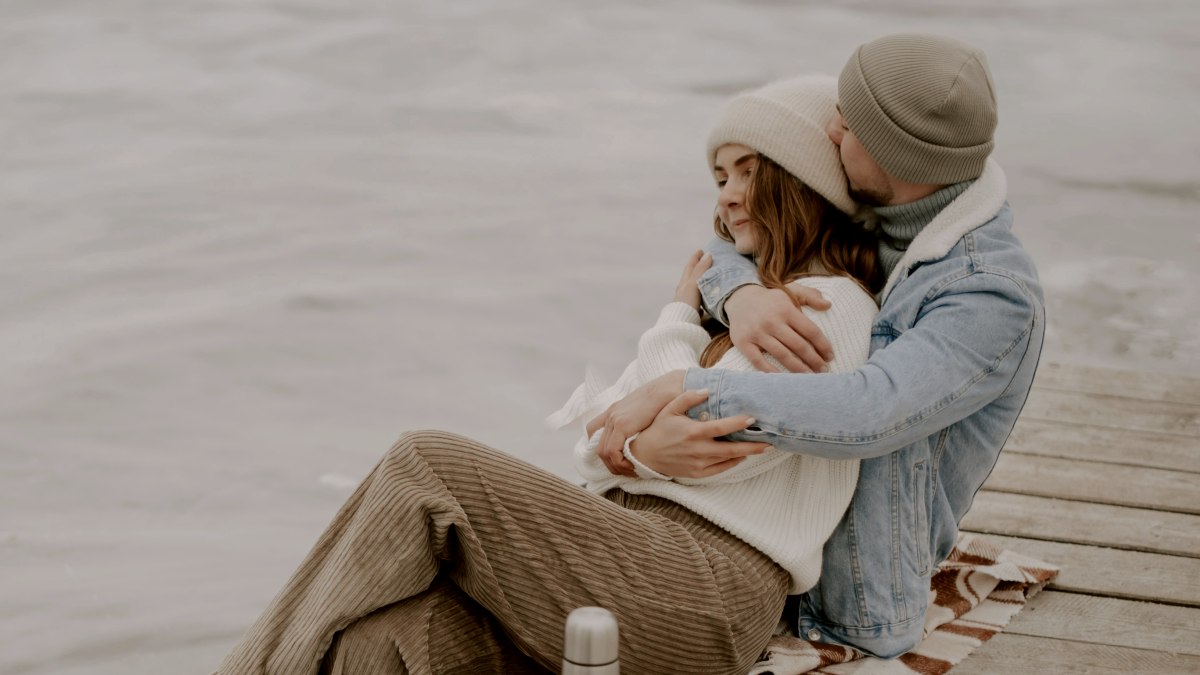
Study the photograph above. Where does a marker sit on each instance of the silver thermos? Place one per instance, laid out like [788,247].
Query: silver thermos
[591,643]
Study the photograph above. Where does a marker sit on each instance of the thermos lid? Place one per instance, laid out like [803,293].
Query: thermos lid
[591,638]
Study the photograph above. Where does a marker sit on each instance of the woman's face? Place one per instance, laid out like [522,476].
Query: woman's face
[734,169]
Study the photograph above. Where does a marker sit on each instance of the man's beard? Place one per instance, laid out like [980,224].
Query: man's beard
[872,197]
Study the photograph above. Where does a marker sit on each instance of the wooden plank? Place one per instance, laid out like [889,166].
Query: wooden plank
[1095,482]
[1105,444]
[1133,575]
[1083,523]
[1006,653]
[1109,621]
[1114,411]
[1128,383]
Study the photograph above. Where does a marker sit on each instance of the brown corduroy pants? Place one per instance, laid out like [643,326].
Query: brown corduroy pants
[453,557]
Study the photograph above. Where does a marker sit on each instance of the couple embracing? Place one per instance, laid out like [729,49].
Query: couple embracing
[811,461]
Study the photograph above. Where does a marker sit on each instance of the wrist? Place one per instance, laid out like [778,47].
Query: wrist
[740,296]
[642,469]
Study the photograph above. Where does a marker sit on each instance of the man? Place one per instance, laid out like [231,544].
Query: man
[954,347]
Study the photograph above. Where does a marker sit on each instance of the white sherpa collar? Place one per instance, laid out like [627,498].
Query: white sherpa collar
[979,204]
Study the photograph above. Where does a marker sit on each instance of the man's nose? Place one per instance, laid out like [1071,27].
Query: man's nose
[834,130]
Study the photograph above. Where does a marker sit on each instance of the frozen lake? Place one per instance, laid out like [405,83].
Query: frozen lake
[246,243]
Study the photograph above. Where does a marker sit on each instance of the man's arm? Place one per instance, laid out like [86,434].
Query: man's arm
[763,320]
[962,353]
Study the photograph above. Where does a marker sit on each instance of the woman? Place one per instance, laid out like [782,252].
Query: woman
[454,557]
[784,504]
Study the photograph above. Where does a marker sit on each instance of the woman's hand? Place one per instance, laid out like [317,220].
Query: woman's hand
[676,445]
[688,290]
[631,415]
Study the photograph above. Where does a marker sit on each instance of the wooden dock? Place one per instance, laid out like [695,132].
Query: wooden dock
[1101,477]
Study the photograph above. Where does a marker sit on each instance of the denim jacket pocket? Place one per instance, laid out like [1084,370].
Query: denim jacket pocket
[920,510]
[882,335]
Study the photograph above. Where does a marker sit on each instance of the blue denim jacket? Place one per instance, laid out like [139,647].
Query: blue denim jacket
[953,354]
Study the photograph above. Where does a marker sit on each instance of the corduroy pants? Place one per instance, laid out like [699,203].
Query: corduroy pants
[453,557]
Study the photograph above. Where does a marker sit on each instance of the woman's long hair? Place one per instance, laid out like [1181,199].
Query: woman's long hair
[798,233]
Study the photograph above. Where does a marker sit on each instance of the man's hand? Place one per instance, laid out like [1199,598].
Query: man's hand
[770,320]
[678,446]
[631,415]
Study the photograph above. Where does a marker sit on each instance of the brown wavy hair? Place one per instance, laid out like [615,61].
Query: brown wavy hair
[798,233]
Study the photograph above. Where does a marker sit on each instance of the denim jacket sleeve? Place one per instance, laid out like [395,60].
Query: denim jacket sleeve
[960,353]
[730,271]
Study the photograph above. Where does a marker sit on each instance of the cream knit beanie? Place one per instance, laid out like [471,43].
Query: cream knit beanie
[922,106]
[786,121]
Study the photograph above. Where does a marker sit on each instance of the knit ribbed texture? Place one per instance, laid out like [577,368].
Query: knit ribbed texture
[784,504]
[786,121]
[527,547]
[902,223]
[923,106]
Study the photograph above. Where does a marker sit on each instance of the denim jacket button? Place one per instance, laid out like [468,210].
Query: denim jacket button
[814,634]
[704,417]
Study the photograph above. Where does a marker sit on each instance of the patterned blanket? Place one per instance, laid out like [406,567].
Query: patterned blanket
[974,594]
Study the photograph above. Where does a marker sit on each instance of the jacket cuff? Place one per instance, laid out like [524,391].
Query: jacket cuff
[716,287]
[704,378]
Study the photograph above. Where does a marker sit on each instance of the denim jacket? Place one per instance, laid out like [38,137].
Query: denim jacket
[953,353]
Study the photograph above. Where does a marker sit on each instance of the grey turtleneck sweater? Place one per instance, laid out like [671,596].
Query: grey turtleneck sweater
[900,224]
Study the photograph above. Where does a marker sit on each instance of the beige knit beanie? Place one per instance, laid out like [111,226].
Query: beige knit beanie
[786,121]
[922,106]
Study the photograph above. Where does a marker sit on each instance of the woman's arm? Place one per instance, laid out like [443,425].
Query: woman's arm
[674,342]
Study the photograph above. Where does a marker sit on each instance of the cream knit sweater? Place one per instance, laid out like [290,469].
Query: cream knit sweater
[785,505]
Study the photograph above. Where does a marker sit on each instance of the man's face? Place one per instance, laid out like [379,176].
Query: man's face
[869,183]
